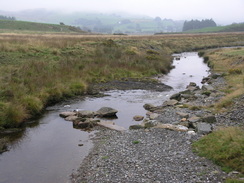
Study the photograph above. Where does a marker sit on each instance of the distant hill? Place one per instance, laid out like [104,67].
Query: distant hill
[33,26]
[100,22]
[228,28]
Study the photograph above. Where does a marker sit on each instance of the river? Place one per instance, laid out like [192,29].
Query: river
[50,149]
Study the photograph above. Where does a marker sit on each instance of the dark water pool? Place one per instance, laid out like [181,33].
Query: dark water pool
[50,151]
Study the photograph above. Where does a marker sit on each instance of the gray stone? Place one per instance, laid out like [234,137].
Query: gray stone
[185,123]
[106,112]
[135,127]
[164,119]
[149,107]
[66,114]
[207,88]
[170,102]
[191,132]
[176,96]
[194,119]
[188,96]
[138,118]
[209,119]
[192,88]
[192,84]
[84,125]
[204,80]
[183,115]
[150,124]
[71,118]
[204,128]
[215,75]
[153,116]
[86,114]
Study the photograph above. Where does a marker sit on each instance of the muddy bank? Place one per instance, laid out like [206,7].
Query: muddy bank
[129,84]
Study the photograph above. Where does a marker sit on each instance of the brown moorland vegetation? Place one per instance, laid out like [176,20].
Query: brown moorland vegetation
[37,70]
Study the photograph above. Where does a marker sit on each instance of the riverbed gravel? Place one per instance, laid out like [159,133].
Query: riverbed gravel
[152,156]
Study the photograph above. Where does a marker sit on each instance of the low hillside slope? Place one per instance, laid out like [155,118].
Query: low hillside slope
[32,26]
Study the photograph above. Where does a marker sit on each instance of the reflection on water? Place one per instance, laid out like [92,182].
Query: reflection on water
[48,151]
[190,68]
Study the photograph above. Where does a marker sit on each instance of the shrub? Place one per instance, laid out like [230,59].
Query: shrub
[13,115]
[33,104]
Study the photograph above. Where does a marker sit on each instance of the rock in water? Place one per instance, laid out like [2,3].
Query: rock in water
[106,112]
[149,107]
[86,114]
[138,118]
[66,114]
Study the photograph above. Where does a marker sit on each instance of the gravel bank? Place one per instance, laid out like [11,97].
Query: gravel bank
[152,156]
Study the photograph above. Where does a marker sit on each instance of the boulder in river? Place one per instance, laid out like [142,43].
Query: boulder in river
[66,114]
[138,118]
[86,114]
[149,107]
[106,112]
[71,118]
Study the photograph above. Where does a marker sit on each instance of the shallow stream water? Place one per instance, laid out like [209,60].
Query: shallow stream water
[50,149]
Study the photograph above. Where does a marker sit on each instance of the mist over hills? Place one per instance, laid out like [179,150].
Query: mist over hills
[100,22]
[113,23]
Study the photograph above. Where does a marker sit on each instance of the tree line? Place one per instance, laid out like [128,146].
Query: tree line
[197,24]
[2,17]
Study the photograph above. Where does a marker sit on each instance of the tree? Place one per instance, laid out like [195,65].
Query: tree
[196,24]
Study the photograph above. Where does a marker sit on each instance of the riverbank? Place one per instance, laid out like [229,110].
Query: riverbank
[162,155]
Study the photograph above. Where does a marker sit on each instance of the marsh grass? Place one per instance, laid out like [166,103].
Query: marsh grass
[38,70]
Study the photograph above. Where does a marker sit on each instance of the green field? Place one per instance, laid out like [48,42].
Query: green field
[228,28]
[10,25]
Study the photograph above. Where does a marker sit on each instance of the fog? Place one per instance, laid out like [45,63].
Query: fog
[222,11]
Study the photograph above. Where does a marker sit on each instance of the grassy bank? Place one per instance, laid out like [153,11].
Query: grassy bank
[230,63]
[37,70]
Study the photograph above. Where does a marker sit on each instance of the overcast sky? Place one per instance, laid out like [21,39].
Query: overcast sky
[222,11]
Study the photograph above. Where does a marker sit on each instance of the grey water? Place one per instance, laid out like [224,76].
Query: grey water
[51,149]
